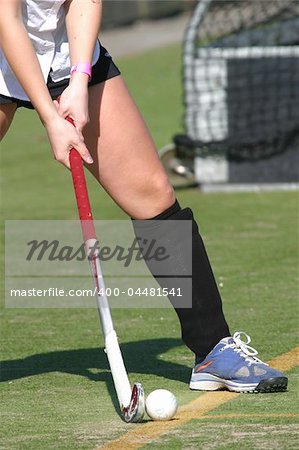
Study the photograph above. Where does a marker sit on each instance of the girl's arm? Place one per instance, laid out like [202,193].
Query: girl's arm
[20,54]
[83,18]
[21,57]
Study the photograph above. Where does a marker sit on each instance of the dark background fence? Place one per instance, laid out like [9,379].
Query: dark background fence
[125,12]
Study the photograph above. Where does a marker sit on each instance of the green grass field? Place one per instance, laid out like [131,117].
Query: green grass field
[57,391]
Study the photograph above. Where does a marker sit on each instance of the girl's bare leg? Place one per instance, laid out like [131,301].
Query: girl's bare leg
[126,161]
[7,113]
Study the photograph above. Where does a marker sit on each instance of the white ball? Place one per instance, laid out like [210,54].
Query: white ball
[161,404]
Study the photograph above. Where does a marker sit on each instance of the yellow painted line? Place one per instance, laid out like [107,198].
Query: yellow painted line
[237,416]
[287,361]
[142,434]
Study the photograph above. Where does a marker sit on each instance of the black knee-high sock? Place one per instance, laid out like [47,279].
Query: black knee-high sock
[203,324]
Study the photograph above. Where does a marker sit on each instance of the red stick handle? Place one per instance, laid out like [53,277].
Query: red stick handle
[81,193]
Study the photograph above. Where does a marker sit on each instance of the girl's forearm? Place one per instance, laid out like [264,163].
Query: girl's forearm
[21,57]
[83,18]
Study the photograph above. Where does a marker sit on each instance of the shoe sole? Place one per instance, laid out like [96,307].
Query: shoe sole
[210,382]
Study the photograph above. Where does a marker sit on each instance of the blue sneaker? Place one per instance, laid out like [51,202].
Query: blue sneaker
[233,365]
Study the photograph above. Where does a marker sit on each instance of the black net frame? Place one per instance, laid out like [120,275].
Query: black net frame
[241,79]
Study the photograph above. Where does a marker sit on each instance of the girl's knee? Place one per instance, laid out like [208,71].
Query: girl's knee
[162,193]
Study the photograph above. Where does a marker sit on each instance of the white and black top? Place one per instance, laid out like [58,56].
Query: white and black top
[45,23]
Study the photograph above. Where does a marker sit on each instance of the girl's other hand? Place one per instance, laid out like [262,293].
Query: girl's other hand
[63,137]
[73,101]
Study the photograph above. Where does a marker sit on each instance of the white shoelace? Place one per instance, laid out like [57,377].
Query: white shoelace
[242,347]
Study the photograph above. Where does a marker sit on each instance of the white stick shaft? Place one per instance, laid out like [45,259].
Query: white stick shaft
[118,370]
[116,362]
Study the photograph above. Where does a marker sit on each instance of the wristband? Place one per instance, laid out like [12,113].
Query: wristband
[82,68]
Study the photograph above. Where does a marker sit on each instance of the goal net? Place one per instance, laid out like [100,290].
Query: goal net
[241,78]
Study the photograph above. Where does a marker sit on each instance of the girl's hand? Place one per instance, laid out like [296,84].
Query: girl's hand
[73,101]
[63,137]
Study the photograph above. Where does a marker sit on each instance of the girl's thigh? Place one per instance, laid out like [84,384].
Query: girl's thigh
[126,161]
[7,112]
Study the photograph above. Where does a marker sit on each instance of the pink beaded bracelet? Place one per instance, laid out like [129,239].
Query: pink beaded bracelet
[82,68]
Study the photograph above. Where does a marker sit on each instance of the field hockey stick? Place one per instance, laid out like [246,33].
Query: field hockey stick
[131,401]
